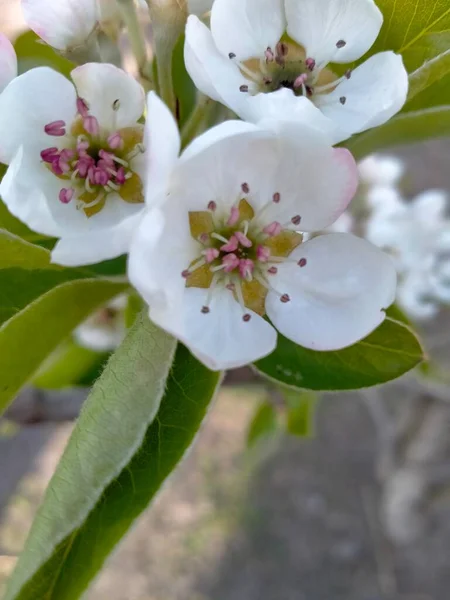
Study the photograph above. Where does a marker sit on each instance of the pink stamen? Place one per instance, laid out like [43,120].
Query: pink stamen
[91,125]
[263,254]
[234,217]
[121,176]
[107,157]
[231,262]
[50,154]
[82,107]
[300,81]
[83,165]
[310,64]
[273,229]
[56,128]
[56,168]
[270,56]
[231,246]
[115,141]
[246,268]
[66,195]
[82,146]
[243,239]
[211,254]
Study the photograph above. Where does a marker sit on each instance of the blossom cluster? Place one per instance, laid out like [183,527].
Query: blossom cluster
[220,236]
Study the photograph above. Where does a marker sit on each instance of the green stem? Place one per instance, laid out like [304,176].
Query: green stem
[137,39]
[197,118]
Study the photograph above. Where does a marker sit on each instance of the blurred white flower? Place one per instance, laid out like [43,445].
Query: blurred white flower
[77,157]
[225,250]
[8,62]
[248,63]
[105,330]
[417,236]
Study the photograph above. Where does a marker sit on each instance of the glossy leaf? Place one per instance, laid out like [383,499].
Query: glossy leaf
[405,128]
[386,354]
[126,443]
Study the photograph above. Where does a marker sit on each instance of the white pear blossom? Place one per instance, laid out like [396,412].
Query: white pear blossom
[78,155]
[67,24]
[8,62]
[105,330]
[225,248]
[381,170]
[268,58]
[417,235]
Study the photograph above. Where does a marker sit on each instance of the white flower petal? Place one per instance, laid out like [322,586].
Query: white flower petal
[214,74]
[95,246]
[8,62]
[378,169]
[319,25]
[61,23]
[114,97]
[429,208]
[338,298]
[162,143]
[219,339]
[30,101]
[246,28]
[24,199]
[375,92]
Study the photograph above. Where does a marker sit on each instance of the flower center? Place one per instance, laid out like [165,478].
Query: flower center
[288,66]
[241,251]
[93,163]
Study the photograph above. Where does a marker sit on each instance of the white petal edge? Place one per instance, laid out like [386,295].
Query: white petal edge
[376,91]
[105,87]
[220,339]
[61,23]
[319,25]
[8,62]
[246,28]
[338,298]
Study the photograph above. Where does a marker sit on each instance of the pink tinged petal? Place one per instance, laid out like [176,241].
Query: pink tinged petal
[8,62]
[231,246]
[63,23]
[246,28]
[112,95]
[376,91]
[337,297]
[31,101]
[220,338]
[339,31]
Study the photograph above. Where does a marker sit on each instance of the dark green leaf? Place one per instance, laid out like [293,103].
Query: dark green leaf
[122,450]
[386,354]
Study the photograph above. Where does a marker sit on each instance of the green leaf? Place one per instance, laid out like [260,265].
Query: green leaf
[405,128]
[32,52]
[263,424]
[301,412]
[34,332]
[386,354]
[185,90]
[124,446]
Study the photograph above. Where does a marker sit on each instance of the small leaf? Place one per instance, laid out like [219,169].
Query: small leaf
[263,424]
[32,52]
[386,354]
[405,128]
[127,441]
[301,412]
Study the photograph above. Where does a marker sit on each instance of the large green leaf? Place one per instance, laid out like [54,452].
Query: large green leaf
[405,128]
[34,332]
[126,443]
[387,353]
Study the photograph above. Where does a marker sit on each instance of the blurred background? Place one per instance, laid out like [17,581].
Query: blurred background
[353,503]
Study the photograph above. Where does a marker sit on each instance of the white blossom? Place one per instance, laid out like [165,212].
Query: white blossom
[248,63]
[381,170]
[105,330]
[224,249]
[8,62]
[77,156]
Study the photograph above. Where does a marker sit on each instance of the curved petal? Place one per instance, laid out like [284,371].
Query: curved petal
[8,62]
[214,74]
[338,297]
[246,28]
[220,339]
[319,25]
[114,97]
[95,246]
[375,92]
[162,143]
[62,23]
[30,101]
[24,198]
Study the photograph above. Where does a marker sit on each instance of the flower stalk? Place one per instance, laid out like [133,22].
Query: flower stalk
[137,40]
